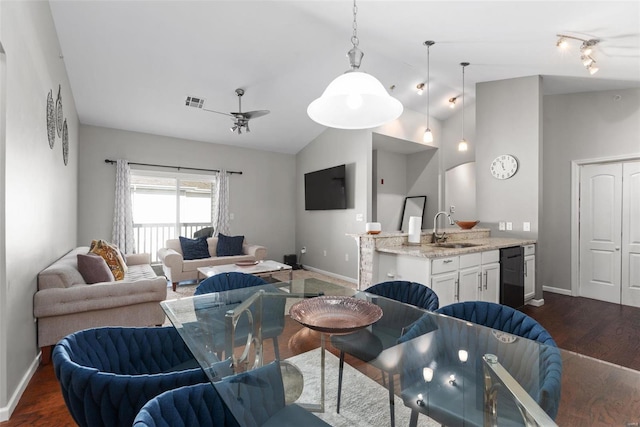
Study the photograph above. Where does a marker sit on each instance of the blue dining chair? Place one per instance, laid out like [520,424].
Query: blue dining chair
[367,344]
[273,310]
[257,398]
[196,405]
[537,369]
[107,374]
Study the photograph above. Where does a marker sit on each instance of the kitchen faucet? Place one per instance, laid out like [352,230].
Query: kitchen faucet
[436,237]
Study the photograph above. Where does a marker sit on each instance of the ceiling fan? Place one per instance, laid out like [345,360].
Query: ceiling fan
[241,119]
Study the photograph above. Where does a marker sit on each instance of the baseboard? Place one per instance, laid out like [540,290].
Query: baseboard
[535,302]
[557,290]
[5,412]
[328,273]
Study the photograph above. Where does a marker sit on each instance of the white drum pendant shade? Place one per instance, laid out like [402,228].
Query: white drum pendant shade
[354,100]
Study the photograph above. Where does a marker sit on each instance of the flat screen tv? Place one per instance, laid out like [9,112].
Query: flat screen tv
[325,189]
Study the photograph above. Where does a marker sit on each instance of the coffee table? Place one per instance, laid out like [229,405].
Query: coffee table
[262,268]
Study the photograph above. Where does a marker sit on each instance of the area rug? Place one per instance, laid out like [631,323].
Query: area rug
[365,403]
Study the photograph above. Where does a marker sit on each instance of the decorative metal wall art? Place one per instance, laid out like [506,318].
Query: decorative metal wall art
[51,120]
[65,143]
[59,115]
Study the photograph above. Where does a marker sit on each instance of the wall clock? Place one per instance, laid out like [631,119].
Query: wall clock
[504,166]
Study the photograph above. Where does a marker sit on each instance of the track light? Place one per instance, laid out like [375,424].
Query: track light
[452,102]
[586,49]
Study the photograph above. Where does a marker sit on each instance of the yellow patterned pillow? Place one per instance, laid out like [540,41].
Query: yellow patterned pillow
[111,254]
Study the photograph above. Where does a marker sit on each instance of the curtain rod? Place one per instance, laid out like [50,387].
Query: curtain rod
[174,167]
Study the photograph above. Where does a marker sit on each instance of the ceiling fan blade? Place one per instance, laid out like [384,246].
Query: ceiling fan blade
[218,112]
[256,114]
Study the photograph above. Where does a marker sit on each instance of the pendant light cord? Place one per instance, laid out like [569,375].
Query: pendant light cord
[464,64]
[354,36]
[428,82]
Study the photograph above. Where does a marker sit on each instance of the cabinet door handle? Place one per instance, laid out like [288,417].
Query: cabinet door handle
[479,281]
[456,297]
[485,279]
[447,261]
[526,269]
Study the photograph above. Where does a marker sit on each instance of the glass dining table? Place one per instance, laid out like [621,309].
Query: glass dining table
[452,373]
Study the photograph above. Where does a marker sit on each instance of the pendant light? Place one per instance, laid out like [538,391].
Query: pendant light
[355,99]
[428,135]
[463,145]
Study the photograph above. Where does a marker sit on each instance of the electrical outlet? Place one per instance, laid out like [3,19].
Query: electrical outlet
[359,217]
[303,250]
[324,252]
[502,226]
[526,226]
[509,226]
[452,209]
[346,257]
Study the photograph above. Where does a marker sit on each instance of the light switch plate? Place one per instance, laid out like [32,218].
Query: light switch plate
[526,226]
[502,226]
[509,226]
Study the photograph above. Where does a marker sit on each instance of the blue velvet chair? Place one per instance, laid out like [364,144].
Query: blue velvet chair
[257,398]
[273,310]
[196,405]
[367,344]
[108,374]
[537,369]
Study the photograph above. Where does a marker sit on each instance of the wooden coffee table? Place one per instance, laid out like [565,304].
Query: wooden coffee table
[262,268]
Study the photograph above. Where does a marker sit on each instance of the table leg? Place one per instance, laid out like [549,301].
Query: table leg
[318,407]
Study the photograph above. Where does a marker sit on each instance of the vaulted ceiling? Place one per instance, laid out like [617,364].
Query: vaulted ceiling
[131,64]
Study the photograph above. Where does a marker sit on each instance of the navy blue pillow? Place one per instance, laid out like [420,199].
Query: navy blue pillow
[194,248]
[229,245]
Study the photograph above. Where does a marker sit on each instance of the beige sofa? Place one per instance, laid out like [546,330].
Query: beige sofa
[177,269]
[64,303]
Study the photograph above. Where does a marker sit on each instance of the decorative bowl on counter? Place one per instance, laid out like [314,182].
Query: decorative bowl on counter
[466,225]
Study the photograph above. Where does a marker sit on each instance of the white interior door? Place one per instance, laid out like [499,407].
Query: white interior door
[600,231]
[631,234]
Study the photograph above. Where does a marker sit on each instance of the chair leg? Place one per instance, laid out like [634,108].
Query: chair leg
[276,349]
[174,285]
[413,421]
[392,406]
[340,381]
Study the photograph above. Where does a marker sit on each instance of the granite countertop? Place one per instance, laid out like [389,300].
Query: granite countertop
[434,251]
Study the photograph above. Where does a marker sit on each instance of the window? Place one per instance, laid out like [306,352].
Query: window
[168,205]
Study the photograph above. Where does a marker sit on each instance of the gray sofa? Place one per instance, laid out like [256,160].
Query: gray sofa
[177,269]
[64,303]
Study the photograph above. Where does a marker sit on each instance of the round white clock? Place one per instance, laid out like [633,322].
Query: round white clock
[504,166]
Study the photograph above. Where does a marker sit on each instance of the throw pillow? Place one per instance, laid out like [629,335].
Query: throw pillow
[94,269]
[229,245]
[194,248]
[111,254]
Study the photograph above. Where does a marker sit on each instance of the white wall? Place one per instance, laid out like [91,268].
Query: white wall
[460,191]
[39,191]
[261,199]
[321,231]
[509,121]
[578,126]
[388,198]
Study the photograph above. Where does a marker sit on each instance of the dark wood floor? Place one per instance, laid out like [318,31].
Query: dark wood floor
[602,330]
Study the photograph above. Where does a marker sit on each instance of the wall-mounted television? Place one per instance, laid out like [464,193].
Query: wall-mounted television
[325,189]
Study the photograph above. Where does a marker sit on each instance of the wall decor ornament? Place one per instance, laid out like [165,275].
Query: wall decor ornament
[51,120]
[65,143]
[59,115]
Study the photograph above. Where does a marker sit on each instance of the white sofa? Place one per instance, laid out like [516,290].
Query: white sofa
[65,303]
[177,269]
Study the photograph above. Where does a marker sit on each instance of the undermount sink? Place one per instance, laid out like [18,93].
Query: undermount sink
[456,245]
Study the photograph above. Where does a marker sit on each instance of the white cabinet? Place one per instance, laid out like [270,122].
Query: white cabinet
[467,277]
[529,272]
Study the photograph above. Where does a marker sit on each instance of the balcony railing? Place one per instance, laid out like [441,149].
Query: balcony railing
[151,237]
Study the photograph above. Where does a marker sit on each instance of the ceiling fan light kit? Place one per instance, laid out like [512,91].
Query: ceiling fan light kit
[354,100]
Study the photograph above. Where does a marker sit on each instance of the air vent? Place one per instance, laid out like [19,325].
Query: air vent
[194,102]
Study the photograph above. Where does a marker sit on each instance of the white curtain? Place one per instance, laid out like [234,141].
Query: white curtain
[122,234]
[221,208]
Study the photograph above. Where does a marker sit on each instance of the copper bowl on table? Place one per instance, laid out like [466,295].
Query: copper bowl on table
[335,314]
